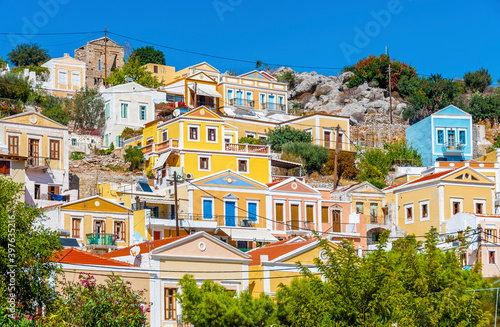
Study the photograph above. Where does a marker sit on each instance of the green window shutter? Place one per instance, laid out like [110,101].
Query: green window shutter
[107,110]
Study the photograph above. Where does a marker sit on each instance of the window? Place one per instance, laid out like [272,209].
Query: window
[54,149]
[63,77]
[479,208]
[229,94]
[491,235]
[119,230]
[76,227]
[212,134]
[328,139]
[99,65]
[99,226]
[242,245]
[359,207]
[155,69]
[461,137]
[170,304]
[424,210]
[252,211]
[324,214]
[408,212]
[193,133]
[262,100]
[243,165]
[281,105]
[463,259]
[5,167]
[107,110]
[451,137]
[456,207]
[142,113]
[106,140]
[164,135]
[373,209]
[249,98]
[440,136]
[37,192]
[74,142]
[492,257]
[124,110]
[14,145]
[75,78]
[310,213]
[279,211]
[208,207]
[53,193]
[204,163]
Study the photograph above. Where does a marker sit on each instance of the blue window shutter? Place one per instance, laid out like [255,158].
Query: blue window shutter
[252,211]
[229,94]
[462,137]
[207,209]
[172,211]
[99,64]
[440,136]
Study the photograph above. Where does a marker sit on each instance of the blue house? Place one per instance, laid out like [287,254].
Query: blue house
[445,135]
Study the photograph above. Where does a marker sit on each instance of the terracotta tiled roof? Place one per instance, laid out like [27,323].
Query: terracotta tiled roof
[145,247]
[391,187]
[274,250]
[422,179]
[75,256]
[54,205]
[273,183]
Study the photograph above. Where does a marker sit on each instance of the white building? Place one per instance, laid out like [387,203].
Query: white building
[66,76]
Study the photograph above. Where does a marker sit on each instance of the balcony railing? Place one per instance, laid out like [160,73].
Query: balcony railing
[453,147]
[272,106]
[37,162]
[168,144]
[101,240]
[222,220]
[242,103]
[247,148]
[301,225]
[147,148]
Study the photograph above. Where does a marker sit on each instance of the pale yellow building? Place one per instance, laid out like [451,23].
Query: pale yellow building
[163,73]
[66,76]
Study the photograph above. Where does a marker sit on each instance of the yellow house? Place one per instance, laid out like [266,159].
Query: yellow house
[252,91]
[98,224]
[429,201]
[66,77]
[276,263]
[200,143]
[201,255]
[162,72]
[44,144]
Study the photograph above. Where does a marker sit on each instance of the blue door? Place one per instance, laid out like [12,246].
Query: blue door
[272,103]
[252,211]
[207,209]
[230,213]
[239,98]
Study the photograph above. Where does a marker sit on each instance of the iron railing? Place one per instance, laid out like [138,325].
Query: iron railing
[101,239]
[242,102]
[33,161]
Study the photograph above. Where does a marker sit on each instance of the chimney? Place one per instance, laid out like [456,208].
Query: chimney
[66,55]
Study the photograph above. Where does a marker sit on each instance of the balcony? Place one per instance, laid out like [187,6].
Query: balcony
[272,106]
[168,144]
[247,148]
[34,162]
[101,241]
[453,148]
[301,225]
[148,148]
[242,103]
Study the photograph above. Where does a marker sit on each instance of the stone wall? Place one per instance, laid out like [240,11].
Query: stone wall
[375,129]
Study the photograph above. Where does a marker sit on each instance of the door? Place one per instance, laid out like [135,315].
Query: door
[335,221]
[272,103]
[157,235]
[230,213]
[252,211]
[294,213]
[451,139]
[33,152]
[207,209]
[249,99]
[239,98]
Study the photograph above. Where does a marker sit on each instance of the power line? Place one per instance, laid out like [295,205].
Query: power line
[49,34]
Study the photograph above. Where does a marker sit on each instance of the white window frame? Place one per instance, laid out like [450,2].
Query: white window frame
[256,201]
[119,220]
[127,105]
[64,71]
[238,165]
[77,74]
[332,135]
[212,214]
[97,218]
[421,203]
[481,201]
[189,126]
[81,227]
[216,133]
[283,202]
[233,94]
[250,134]
[444,136]
[458,136]
[488,258]
[228,136]
[310,131]
[209,162]
[145,111]
[260,99]
[162,132]
[74,139]
[407,206]
[299,203]
[455,199]
[262,136]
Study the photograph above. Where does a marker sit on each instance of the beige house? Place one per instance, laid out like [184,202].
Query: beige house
[66,76]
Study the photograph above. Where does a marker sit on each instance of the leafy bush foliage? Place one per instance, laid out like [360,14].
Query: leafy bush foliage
[77,156]
[28,54]
[313,157]
[130,132]
[134,156]
[250,140]
[88,109]
[477,81]
[133,69]
[41,72]
[54,109]
[148,54]
[8,108]
[376,70]
[287,77]
[346,165]
[286,134]
[483,107]
[12,86]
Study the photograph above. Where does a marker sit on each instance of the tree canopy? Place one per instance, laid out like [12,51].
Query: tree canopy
[134,70]
[88,109]
[286,134]
[28,54]
[312,157]
[148,54]
[55,109]
[477,81]
[135,156]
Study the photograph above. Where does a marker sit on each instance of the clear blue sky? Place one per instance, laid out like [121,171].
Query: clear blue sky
[444,36]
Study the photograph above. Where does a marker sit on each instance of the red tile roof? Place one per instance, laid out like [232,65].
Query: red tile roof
[145,247]
[391,187]
[273,183]
[422,179]
[76,256]
[274,250]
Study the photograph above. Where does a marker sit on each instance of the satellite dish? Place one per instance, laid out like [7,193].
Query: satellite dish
[135,250]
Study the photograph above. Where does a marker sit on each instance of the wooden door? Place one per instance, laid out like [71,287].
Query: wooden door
[294,214]
[336,221]
[34,151]
[327,140]
[156,235]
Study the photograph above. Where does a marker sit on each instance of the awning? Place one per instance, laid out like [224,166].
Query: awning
[156,200]
[284,164]
[249,234]
[161,161]
[205,90]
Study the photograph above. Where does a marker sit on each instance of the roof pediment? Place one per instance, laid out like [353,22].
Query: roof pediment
[229,179]
[202,112]
[32,118]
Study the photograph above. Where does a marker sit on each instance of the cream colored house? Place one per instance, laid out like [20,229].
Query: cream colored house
[66,77]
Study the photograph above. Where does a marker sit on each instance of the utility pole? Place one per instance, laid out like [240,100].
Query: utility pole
[175,205]
[479,241]
[390,91]
[105,54]
[335,174]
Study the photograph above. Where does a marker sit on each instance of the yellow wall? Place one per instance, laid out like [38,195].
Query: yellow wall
[165,73]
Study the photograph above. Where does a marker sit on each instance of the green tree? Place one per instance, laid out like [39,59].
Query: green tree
[400,153]
[346,165]
[477,81]
[286,134]
[88,109]
[26,252]
[249,140]
[86,303]
[135,156]
[287,77]
[54,109]
[134,70]
[483,107]
[211,305]
[13,86]
[313,157]
[28,54]
[147,55]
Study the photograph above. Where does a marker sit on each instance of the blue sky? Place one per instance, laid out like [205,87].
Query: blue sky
[447,37]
